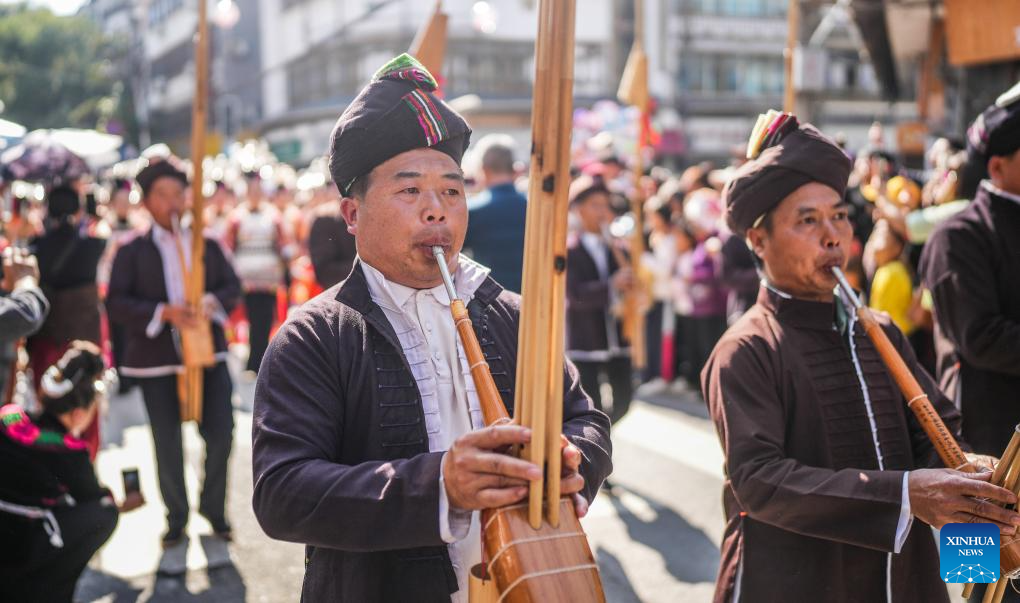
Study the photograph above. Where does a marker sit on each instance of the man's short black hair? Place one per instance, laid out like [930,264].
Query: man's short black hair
[359,188]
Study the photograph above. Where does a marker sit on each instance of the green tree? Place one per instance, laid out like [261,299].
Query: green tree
[58,72]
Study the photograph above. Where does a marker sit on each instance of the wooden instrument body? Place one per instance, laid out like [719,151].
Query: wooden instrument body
[547,564]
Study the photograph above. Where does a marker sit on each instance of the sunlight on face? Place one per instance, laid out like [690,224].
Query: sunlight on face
[810,233]
[414,201]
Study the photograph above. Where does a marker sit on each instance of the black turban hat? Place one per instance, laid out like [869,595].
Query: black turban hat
[784,156]
[397,112]
[996,132]
[154,171]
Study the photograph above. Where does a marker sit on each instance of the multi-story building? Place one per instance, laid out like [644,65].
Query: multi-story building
[716,64]
[319,53]
[163,68]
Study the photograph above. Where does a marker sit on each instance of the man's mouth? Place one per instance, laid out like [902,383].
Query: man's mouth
[436,240]
[829,263]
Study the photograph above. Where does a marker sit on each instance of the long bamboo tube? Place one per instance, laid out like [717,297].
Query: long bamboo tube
[489,399]
[196,344]
[540,345]
[634,317]
[1006,474]
[917,400]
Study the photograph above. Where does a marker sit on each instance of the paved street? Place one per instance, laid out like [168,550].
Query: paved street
[656,537]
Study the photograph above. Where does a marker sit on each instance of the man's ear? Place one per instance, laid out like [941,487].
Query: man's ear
[349,208]
[756,238]
[995,168]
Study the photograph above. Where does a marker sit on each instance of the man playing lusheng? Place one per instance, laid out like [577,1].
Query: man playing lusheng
[825,466]
[369,445]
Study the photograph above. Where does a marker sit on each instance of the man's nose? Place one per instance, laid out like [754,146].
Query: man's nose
[830,238]
[433,212]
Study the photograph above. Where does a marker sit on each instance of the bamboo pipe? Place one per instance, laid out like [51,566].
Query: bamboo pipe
[196,344]
[489,399]
[917,400]
[1006,472]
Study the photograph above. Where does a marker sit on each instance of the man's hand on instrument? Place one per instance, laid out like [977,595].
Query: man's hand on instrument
[478,474]
[182,317]
[941,496]
[623,279]
[571,480]
[982,462]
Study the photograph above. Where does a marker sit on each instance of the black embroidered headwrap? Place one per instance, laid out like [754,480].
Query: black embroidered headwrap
[395,113]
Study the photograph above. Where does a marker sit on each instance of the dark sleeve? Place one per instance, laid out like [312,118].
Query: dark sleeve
[75,472]
[851,506]
[584,294]
[302,492]
[924,451]
[959,272]
[122,306]
[226,287]
[22,313]
[587,428]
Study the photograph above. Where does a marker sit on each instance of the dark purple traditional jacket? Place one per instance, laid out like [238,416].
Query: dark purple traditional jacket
[811,509]
[340,452]
[137,286]
[971,265]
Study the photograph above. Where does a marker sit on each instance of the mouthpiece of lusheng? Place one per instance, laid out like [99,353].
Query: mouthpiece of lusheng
[445,271]
[845,286]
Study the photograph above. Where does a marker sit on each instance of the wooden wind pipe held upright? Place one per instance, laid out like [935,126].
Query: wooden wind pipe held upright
[488,396]
[917,400]
[521,564]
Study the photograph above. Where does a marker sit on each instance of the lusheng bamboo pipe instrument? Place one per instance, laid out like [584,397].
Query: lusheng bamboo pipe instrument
[197,350]
[521,564]
[1007,471]
[917,400]
[633,90]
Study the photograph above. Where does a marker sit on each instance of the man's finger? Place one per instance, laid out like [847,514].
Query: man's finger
[580,505]
[572,483]
[571,457]
[976,485]
[500,464]
[497,436]
[485,481]
[492,498]
[994,513]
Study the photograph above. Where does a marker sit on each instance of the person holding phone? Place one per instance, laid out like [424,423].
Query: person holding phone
[54,514]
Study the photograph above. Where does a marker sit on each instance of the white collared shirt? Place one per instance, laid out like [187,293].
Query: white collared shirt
[426,332]
[988,186]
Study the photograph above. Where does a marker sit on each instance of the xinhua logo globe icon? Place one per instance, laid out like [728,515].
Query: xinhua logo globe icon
[969,573]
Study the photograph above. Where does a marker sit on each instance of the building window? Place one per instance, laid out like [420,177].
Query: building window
[749,76]
[160,10]
[733,8]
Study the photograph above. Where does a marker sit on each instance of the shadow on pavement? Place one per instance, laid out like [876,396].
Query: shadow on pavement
[684,399]
[615,582]
[94,585]
[668,531]
[220,585]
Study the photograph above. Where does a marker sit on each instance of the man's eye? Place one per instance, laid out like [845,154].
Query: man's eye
[452,192]
[808,220]
[411,190]
[840,216]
